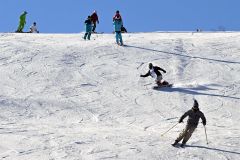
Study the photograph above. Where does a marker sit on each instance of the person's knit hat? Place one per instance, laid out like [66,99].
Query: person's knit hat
[195,104]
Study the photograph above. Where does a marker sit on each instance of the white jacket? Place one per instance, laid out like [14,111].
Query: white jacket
[33,29]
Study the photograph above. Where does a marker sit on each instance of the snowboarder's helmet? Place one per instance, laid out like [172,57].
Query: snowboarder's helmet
[195,105]
[117,11]
[25,12]
[34,23]
[150,65]
[89,17]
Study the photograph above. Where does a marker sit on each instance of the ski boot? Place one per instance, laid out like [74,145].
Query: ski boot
[175,143]
[183,144]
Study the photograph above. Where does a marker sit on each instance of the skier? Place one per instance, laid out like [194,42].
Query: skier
[33,28]
[22,22]
[88,26]
[154,72]
[194,115]
[117,22]
[94,18]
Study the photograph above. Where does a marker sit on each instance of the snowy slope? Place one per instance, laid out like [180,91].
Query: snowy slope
[65,98]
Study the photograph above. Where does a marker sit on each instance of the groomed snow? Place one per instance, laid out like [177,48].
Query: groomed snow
[63,98]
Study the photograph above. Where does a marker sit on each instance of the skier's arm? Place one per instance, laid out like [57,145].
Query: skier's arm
[158,68]
[146,75]
[183,116]
[97,19]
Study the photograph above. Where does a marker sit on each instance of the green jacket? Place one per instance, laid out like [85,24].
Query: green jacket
[23,18]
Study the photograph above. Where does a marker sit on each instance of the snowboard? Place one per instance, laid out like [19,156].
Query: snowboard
[163,86]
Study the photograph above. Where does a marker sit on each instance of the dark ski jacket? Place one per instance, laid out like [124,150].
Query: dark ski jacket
[156,70]
[193,117]
[94,18]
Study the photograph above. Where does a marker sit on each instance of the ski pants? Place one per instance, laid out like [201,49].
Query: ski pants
[94,26]
[87,35]
[186,133]
[119,37]
[158,80]
[21,26]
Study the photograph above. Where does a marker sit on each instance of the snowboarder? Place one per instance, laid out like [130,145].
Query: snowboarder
[94,18]
[117,22]
[194,115]
[22,22]
[33,28]
[88,27]
[154,72]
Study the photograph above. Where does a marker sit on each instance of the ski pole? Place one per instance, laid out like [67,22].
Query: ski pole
[169,129]
[205,133]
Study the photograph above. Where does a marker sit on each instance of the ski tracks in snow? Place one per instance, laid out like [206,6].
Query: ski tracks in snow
[65,98]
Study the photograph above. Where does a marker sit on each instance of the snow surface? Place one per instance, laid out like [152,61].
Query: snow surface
[65,98]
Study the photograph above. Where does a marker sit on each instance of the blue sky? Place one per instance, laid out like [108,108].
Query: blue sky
[67,16]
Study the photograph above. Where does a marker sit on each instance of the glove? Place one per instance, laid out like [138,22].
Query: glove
[180,121]
[164,71]
[141,75]
[204,123]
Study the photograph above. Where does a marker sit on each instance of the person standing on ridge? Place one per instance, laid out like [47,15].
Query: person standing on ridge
[94,18]
[88,27]
[194,115]
[118,23]
[118,16]
[22,22]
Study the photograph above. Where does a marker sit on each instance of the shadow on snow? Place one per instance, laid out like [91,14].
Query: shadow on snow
[178,54]
[194,91]
[214,149]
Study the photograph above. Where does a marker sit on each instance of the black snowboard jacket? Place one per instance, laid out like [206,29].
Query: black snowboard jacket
[193,117]
[156,70]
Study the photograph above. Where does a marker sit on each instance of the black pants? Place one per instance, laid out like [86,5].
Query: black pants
[94,27]
[87,35]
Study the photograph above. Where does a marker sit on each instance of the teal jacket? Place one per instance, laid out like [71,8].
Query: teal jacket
[88,25]
[117,25]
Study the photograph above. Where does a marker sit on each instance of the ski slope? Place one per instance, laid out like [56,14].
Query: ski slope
[63,98]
